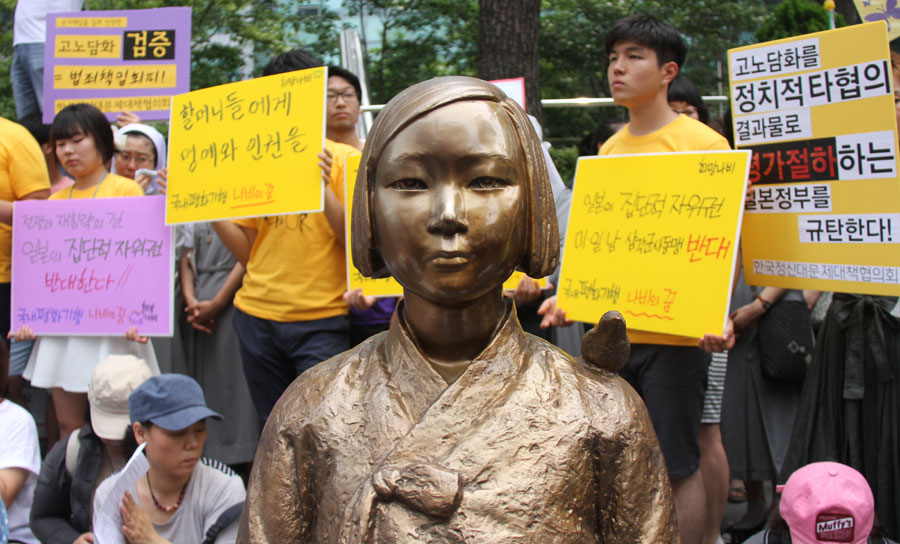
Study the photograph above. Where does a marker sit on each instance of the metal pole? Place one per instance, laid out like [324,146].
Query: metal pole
[581,102]
[829,7]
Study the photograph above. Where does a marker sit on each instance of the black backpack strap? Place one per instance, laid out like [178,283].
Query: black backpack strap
[225,519]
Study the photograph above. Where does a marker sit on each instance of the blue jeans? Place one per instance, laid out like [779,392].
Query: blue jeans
[275,353]
[27,75]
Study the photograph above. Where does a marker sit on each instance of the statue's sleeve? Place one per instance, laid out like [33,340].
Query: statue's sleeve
[280,505]
[634,495]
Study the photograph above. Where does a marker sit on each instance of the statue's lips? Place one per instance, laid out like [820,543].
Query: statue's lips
[450,258]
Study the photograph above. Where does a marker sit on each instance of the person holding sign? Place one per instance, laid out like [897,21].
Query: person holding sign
[669,372]
[23,176]
[456,425]
[290,314]
[850,403]
[84,145]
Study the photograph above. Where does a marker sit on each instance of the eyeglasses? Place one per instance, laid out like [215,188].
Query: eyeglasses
[136,159]
[348,96]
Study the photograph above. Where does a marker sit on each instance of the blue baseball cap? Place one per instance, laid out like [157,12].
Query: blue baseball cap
[172,401]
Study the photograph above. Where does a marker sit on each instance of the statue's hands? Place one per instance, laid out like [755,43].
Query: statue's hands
[553,316]
[712,342]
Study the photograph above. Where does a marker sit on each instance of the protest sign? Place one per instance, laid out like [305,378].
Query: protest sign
[655,237]
[385,287]
[248,149]
[818,113]
[92,267]
[117,60]
[513,88]
[881,10]
[381,287]
[513,281]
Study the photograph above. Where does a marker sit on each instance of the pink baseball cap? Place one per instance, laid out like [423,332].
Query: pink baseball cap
[828,502]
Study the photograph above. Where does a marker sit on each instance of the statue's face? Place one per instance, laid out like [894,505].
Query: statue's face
[449,203]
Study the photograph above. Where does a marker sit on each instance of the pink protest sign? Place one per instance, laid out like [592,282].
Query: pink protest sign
[92,266]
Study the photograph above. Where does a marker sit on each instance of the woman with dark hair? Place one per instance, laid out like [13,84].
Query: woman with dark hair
[685,98]
[183,497]
[84,145]
[455,425]
[75,467]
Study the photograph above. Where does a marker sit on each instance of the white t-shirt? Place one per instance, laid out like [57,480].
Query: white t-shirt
[31,18]
[212,489]
[19,449]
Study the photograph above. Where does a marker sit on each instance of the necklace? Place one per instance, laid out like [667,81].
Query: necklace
[72,190]
[166,509]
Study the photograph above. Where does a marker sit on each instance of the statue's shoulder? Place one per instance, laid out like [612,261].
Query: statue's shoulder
[603,391]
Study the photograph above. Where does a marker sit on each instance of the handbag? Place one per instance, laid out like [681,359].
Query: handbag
[784,334]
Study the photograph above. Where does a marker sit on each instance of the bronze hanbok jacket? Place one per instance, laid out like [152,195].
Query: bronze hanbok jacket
[528,445]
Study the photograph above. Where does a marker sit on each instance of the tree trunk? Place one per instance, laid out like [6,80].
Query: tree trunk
[848,9]
[508,45]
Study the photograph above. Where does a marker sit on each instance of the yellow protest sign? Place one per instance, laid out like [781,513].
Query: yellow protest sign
[513,281]
[247,149]
[818,113]
[382,287]
[655,237]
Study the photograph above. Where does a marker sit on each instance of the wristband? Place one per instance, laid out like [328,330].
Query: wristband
[765,303]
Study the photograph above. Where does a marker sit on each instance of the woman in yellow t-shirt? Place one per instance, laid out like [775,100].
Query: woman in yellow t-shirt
[84,146]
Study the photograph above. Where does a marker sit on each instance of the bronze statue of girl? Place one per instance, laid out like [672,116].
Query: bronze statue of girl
[455,425]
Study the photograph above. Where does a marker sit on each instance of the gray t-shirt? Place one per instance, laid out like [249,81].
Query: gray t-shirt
[212,489]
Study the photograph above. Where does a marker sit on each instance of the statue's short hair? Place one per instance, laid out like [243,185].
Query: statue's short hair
[541,254]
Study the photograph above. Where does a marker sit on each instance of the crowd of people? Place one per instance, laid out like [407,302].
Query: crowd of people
[260,301]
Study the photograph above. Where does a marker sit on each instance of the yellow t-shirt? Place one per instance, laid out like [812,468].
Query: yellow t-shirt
[682,134]
[23,170]
[112,185]
[297,269]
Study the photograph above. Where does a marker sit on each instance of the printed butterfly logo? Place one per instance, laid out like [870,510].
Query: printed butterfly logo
[885,13]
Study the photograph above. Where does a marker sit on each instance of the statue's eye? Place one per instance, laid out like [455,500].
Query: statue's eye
[486,182]
[409,184]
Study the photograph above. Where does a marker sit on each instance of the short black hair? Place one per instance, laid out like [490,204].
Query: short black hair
[592,141]
[292,61]
[35,125]
[682,89]
[349,76]
[84,119]
[650,32]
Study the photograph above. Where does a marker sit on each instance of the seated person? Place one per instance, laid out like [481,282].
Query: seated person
[20,460]
[824,502]
[182,495]
[61,513]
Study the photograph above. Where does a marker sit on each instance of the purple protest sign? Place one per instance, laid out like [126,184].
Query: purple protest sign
[92,266]
[117,60]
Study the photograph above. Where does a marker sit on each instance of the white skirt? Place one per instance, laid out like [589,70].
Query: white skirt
[68,361]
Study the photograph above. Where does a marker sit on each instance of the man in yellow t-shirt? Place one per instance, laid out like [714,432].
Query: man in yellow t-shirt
[669,372]
[23,176]
[289,312]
